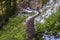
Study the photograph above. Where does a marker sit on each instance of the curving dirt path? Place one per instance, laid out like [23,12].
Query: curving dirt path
[30,28]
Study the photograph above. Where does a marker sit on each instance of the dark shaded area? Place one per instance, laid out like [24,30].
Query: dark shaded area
[9,12]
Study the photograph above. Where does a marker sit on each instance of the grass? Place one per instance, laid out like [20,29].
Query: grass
[51,25]
[14,30]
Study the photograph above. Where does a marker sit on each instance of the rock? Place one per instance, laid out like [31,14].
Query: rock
[34,4]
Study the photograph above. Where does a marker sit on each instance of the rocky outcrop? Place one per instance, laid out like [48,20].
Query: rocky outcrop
[33,4]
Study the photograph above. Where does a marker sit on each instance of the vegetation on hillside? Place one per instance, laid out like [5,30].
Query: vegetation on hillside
[51,26]
[14,30]
[12,27]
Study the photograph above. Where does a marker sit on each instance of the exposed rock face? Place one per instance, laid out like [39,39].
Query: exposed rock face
[33,4]
[22,5]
